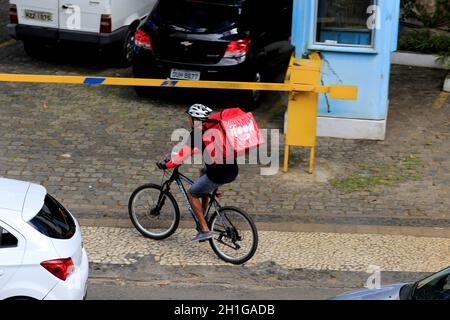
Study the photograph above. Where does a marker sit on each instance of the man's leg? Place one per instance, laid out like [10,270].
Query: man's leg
[201,189]
[198,210]
[205,202]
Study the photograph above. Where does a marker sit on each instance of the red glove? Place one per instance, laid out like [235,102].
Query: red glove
[185,153]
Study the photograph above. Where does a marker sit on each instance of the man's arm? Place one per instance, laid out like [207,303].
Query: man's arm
[185,153]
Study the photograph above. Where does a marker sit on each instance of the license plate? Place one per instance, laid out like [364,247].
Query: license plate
[38,15]
[184,74]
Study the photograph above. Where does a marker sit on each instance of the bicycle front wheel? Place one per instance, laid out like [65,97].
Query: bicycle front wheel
[235,235]
[154,212]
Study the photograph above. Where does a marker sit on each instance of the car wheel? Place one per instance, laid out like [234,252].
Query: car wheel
[256,94]
[34,49]
[143,92]
[252,99]
[126,51]
[21,299]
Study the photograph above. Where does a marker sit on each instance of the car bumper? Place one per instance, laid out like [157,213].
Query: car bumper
[145,65]
[75,287]
[52,35]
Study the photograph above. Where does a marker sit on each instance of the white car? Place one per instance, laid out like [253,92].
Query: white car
[103,23]
[41,249]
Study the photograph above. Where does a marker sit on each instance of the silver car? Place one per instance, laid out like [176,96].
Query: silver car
[434,287]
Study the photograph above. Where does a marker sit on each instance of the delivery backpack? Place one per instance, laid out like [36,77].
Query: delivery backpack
[230,134]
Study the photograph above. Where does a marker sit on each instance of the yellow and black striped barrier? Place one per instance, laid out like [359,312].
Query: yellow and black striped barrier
[303,83]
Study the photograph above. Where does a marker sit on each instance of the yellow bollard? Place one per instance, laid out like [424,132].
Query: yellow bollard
[303,108]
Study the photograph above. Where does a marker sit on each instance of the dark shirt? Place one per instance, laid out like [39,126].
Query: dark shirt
[218,173]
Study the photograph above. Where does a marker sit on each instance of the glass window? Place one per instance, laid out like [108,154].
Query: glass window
[54,220]
[435,287]
[346,22]
[198,16]
[7,240]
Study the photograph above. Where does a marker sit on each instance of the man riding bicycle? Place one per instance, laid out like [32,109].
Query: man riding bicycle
[212,176]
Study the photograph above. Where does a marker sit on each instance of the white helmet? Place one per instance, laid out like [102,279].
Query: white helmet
[199,111]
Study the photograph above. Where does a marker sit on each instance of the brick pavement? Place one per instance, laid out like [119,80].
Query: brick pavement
[91,146]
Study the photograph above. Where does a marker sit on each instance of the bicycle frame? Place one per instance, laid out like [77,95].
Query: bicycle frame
[224,230]
[179,178]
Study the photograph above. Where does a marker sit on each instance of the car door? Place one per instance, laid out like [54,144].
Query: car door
[82,15]
[12,249]
[42,13]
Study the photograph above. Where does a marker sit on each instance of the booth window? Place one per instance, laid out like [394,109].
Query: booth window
[345,22]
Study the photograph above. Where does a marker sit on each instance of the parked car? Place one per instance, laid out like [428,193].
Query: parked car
[434,287]
[41,249]
[109,24]
[234,40]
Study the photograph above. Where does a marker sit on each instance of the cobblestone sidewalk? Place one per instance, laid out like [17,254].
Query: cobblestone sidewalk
[290,250]
[92,146]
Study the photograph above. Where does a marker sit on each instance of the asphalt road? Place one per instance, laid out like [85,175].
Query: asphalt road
[147,280]
[125,290]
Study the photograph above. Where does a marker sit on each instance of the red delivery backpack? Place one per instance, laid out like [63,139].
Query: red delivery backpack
[235,134]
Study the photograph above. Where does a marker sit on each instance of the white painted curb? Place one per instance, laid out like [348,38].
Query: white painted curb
[417,60]
[343,128]
[447,83]
[354,129]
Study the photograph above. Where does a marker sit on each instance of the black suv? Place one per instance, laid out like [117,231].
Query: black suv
[230,40]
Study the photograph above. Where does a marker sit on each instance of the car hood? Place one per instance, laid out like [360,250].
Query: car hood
[391,292]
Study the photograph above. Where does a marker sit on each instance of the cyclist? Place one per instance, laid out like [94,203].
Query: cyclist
[212,175]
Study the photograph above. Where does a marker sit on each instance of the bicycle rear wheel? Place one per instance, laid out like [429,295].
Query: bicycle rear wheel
[154,212]
[236,237]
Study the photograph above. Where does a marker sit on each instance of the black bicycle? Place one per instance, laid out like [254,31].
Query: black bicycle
[156,215]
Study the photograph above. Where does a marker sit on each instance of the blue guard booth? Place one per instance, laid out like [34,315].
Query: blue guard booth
[356,39]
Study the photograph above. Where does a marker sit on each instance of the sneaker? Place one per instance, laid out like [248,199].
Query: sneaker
[203,236]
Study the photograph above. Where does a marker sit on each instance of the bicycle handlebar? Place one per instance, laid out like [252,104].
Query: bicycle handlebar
[162,165]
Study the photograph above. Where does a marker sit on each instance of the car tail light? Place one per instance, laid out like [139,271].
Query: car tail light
[237,49]
[13,17]
[106,24]
[143,40]
[60,268]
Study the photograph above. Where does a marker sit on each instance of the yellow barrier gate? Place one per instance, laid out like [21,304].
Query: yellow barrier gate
[303,83]
[303,105]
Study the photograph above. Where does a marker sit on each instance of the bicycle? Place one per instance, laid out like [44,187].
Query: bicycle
[232,227]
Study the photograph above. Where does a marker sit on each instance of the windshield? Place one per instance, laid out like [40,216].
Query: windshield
[198,16]
[435,287]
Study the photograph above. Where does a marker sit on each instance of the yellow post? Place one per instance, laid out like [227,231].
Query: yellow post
[312,160]
[303,107]
[286,157]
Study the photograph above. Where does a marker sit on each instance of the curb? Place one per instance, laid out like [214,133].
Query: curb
[428,232]
[447,83]
[417,60]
